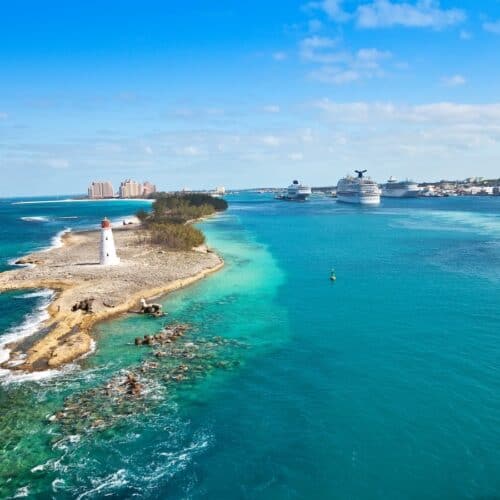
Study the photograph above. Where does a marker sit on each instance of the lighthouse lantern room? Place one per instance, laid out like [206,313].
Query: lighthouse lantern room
[108,255]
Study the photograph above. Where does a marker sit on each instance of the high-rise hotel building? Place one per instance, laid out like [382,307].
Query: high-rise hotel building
[133,189]
[101,189]
[148,188]
[130,189]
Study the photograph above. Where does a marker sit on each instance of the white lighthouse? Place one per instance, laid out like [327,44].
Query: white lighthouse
[108,251]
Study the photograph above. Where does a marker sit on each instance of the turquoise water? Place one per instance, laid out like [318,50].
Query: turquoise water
[383,384]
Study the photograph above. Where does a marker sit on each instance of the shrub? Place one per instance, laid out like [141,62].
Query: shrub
[193,199]
[175,236]
[166,224]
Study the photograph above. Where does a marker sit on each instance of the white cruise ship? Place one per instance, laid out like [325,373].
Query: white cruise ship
[400,189]
[358,189]
[296,192]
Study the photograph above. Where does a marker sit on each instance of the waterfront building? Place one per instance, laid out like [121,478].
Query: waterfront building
[148,188]
[130,189]
[99,190]
[107,256]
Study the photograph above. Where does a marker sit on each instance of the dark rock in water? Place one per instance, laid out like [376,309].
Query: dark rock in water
[167,336]
[170,361]
[132,384]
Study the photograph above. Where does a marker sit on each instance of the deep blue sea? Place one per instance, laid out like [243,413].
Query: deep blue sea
[382,385]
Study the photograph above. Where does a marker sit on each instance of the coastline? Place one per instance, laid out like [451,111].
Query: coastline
[72,274]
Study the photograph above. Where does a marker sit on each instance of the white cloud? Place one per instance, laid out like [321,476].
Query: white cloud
[279,56]
[57,163]
[422,14]
[128,96]
[271,140]
[109,147]
[184,113]
[453,81]
[272,108]
[492,27]
[315,25]
[320,49]
[188,151]
[214,111]
[371,57]
[343,67]
[427,141]
[434,113]
[3,116]
[332,8]
[198,113]
[465,35]
[307,136]
[435,140]
[337,76]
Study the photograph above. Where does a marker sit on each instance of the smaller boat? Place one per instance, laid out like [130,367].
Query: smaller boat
[333,276]
[296,192]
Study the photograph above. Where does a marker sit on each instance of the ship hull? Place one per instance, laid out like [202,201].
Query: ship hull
[297,197]
[297,193]
[400,193]
[302,197]
[358,199]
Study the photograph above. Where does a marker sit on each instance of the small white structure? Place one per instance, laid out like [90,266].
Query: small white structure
[108,255]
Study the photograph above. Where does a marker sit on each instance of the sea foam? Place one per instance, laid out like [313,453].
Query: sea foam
[30,325]
[83,200]
[57,240]
[40,218]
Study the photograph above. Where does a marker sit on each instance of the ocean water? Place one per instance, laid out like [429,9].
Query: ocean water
[384,384]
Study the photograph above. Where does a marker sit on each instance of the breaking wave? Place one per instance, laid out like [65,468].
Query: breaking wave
[57,240]
[40,218]
[30,325]
[83,200]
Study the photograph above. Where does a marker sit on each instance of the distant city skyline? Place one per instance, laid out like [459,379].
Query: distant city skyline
[247,95]
[128,188]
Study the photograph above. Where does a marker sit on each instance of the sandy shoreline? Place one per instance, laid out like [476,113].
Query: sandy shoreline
[72,271]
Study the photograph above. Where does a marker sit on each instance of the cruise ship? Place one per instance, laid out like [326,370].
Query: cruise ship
[296,192]
[400,189]
[360,189]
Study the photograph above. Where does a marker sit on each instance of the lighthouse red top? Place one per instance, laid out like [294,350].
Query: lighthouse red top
[105,224]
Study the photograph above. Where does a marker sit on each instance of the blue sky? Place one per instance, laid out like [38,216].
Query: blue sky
[246,94]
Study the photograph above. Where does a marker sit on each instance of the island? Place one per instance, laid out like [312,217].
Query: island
[147,269]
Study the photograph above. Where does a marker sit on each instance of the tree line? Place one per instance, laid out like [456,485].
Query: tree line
[169,223]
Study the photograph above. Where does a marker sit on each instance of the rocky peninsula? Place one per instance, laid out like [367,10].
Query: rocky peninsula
[73,272]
